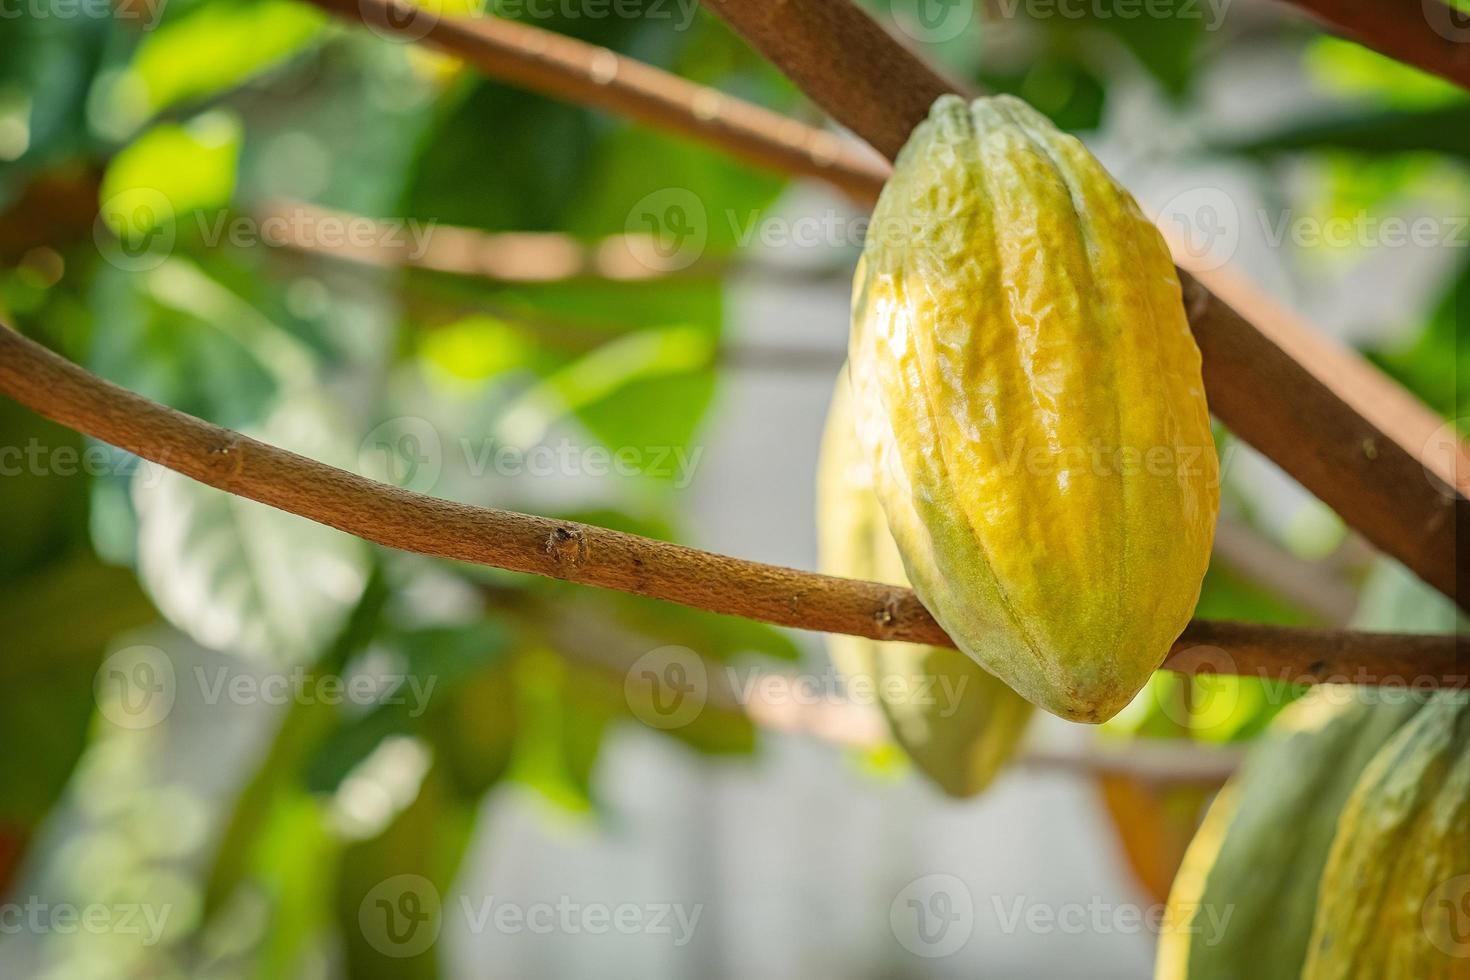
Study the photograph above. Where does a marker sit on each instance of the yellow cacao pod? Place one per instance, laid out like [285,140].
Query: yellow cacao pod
[1394,899]
[1243,901]
[956,721]
[1030,398]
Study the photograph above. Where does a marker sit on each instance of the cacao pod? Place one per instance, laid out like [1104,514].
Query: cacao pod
[1243,900]
[1030,398]
[956,721]
[1395,895]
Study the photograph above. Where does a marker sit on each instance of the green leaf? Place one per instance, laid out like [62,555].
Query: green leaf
[243,577]
[1070,93]
[585,385]
[43,504]
[293,871]
[564,713]
[1226,594]
[1164,39]
[155,345]
[437,663]
[211,49]
[532,150]
[1348,69]
[168,172]
[1373,132]
[58,624]
[712,636]
[392,891]
[278,776]
[1394,599]
[47,68]
[1435,365]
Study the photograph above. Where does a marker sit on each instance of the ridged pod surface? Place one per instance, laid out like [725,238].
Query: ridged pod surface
[1030,397]
[956,721]
[1243,901]
[1395,894]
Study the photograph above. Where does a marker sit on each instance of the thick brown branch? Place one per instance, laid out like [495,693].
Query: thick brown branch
[1427,34]
[1348,433]
[1397,493]
[396,518]
[551,63]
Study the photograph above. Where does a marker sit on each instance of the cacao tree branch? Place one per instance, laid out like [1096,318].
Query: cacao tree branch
[1345,431]
[565,68]
[508,256]
[65,393]
[1427,34]
[1313,422]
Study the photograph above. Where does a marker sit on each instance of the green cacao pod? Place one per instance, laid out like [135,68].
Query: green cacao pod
[1395,895]
[956,721]
[1243,900]
[1030,398]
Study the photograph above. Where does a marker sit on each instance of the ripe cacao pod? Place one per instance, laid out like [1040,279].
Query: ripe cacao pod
[956,721]
[1243,901]
[1394,899]
[1030,398]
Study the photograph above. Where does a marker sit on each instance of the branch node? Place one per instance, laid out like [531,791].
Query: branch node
[226,458]
[886,616]
[567,545]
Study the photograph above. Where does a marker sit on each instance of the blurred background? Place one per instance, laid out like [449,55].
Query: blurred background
[243,745]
